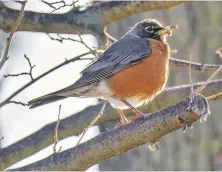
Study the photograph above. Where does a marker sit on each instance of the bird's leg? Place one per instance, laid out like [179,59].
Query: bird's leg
[134,110]
[123,119]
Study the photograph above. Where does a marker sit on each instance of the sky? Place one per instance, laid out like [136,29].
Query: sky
[17,122]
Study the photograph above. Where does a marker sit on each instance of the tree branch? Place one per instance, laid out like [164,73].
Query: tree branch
[62,4]
[178,63]
[147,129]
[24,73]
[91,20]
[76,58]
[76,123]
[13,30]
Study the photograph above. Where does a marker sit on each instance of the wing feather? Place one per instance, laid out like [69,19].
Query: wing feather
[124,53]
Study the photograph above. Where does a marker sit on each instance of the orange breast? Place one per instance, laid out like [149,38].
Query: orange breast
[144,80]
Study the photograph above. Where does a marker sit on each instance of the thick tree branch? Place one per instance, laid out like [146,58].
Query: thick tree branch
[147,129]
[91,20]
[76,123]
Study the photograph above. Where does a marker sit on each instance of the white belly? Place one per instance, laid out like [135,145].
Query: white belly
[116,103]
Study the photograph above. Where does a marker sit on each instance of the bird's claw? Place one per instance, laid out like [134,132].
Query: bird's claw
[120,124]
[138,115]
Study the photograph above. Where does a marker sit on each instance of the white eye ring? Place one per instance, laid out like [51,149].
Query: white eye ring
[149,29]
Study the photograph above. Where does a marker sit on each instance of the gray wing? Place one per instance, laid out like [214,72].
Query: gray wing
[122,54]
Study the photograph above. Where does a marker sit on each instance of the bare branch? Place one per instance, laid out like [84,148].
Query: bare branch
[56,131]
[14,28]
[30,67]
[23,73]
[147,129]
[75,124]
[62,4]
[93,122]
[18,103]
[190,73]
[79,57]
[178,63]
[91,20]
[15,75]
[61,39]
[198,90]
[214,96]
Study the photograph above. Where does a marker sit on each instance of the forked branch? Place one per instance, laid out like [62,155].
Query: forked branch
[147,129]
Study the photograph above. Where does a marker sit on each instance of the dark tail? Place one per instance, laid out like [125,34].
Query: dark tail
[44,100]
[70,91]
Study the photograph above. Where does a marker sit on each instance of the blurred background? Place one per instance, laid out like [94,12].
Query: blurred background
[199,32]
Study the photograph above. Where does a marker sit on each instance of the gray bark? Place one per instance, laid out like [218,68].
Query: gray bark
[147,129]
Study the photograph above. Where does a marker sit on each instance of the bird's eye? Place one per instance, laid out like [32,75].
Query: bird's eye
[149,29]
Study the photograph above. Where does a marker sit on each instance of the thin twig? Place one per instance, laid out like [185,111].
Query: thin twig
[23,73]
[109,38]
[7,100]
[18,103]
[214,96]
[108,35]
[207,82]
[15,75]
[190,73]
[93,122]
[56,131]
[61,39]
[62,2]
[30,66]
[19,19]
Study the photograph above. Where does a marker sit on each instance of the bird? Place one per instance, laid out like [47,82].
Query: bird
[130,73]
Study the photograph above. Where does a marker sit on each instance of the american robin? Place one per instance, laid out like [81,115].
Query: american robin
[129,73]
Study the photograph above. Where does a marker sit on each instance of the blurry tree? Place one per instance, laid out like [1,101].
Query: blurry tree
[92,20]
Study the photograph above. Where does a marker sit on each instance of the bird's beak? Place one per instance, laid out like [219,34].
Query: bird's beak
[167,30]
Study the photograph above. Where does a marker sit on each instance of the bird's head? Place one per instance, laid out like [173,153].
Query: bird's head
[152,29]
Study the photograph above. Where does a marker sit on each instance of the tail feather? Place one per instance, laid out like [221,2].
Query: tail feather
[44,100]
[70,91]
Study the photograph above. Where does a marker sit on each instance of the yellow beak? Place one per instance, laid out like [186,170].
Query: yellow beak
[167,30]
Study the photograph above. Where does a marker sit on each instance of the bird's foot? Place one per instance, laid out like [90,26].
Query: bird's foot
[122,123]
[153,147]
[138,115]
